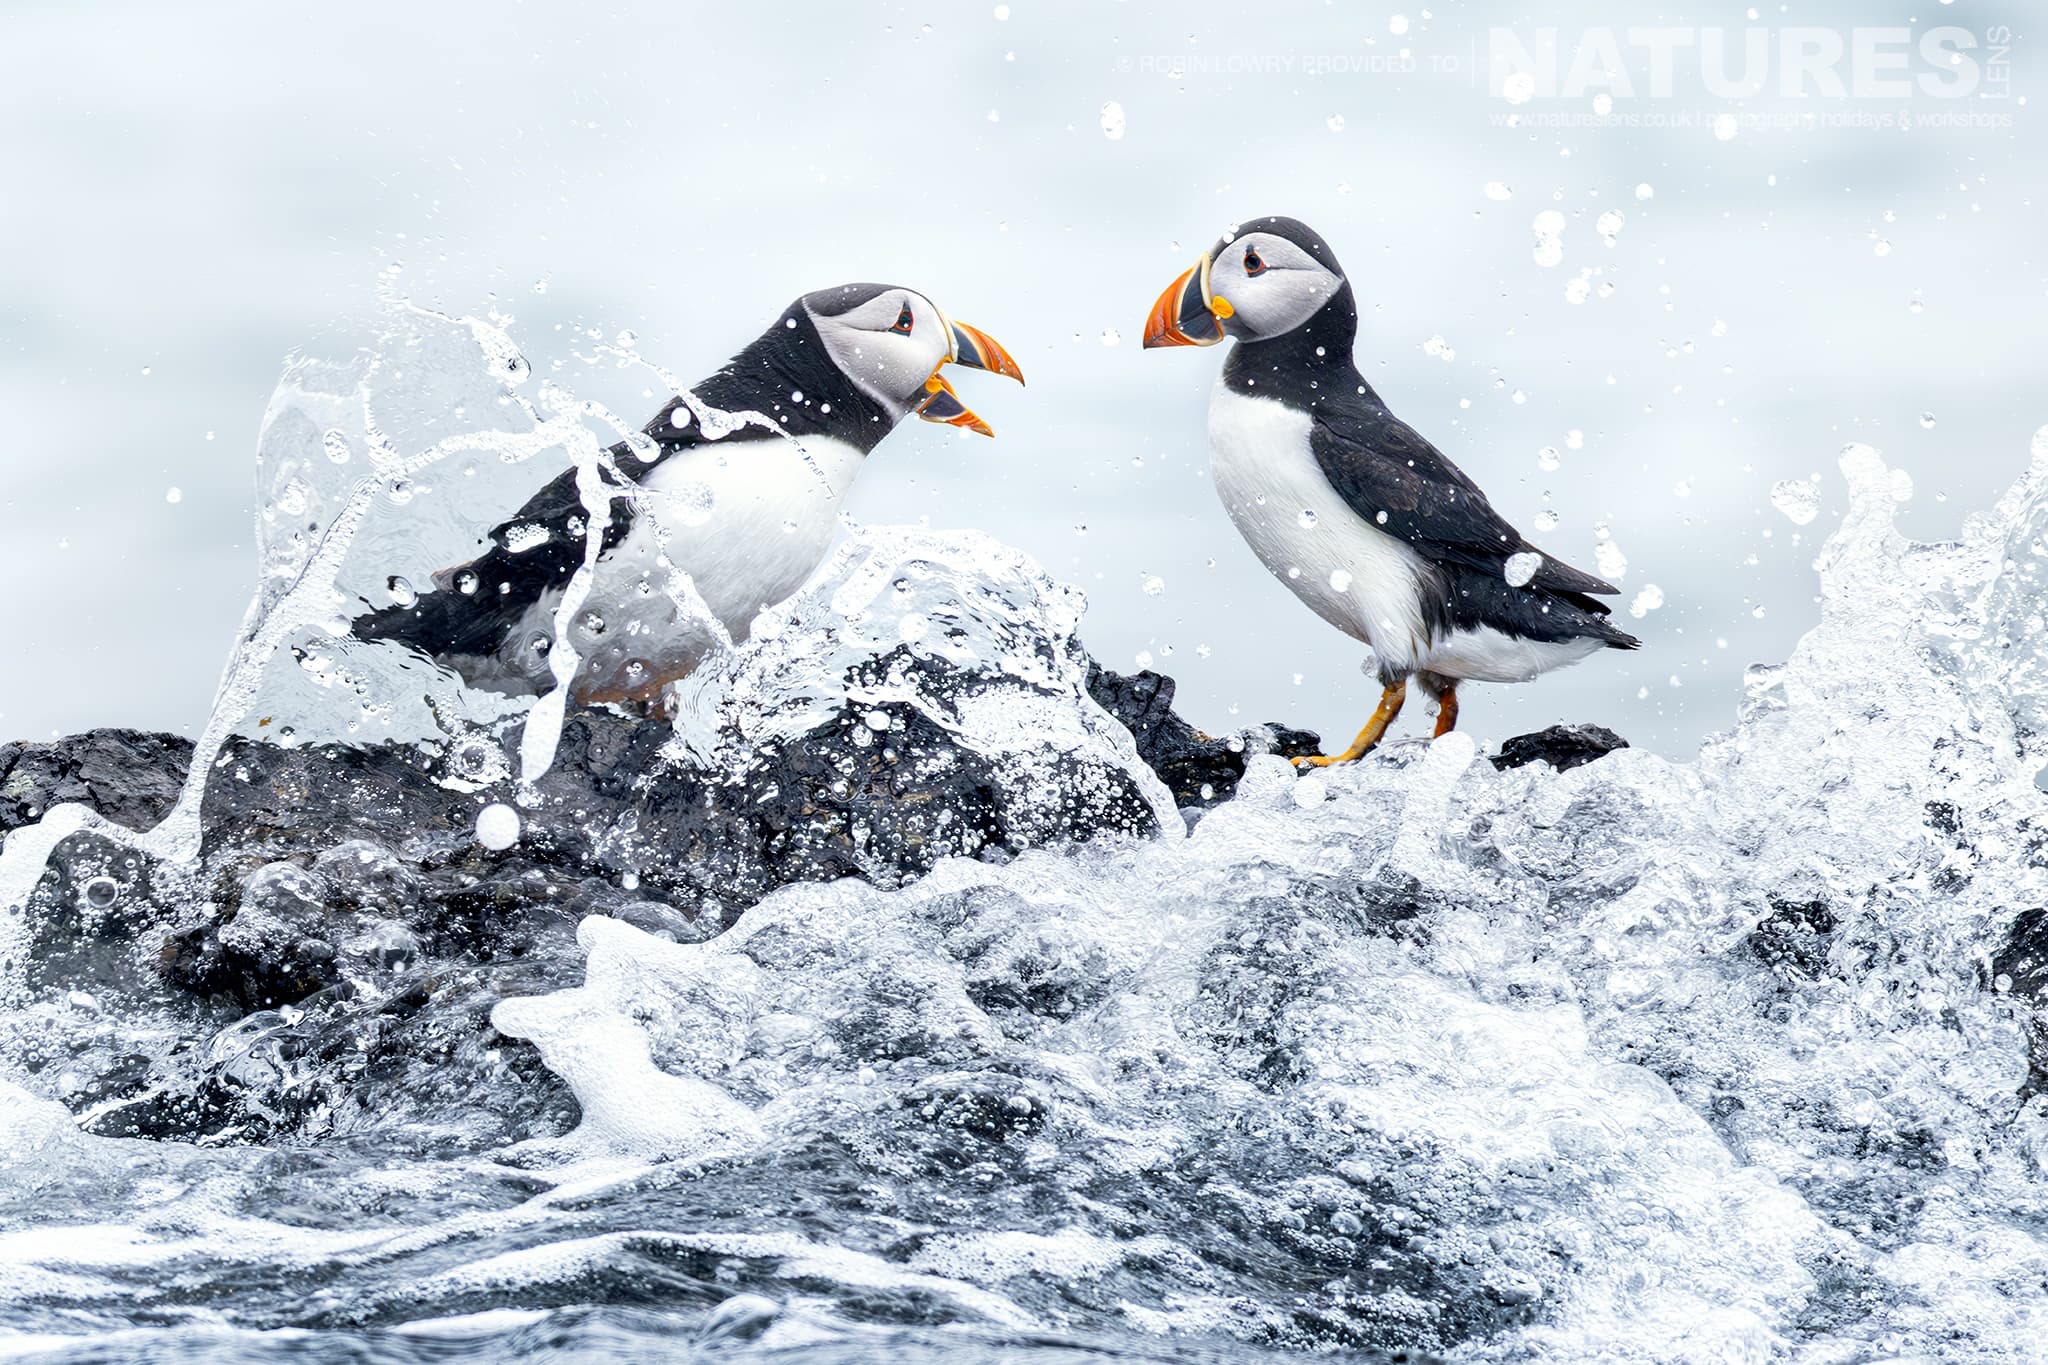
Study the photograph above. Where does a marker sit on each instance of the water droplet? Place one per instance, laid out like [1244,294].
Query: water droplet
[1798,499]
[1518,88]
[102,892]
[1726,126]
[1307,518]
[401,591]
[1927,420]
[1611,562]
[336,446]
[174,494]
[1340,581]
[1546,458]
[1002,12]
[1113,121]
[1335,123]
[1498,192]
[1609,225]
[1646,601]
[1645,191]
[466,582]
[1154,585]
[497,827]
[1521,568]
[1546,520]
[1397,25]
[1110,336]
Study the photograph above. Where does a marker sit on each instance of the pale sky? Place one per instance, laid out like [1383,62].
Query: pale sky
[191,192]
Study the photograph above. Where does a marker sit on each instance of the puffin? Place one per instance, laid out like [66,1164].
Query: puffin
[737,483]
[1362,518]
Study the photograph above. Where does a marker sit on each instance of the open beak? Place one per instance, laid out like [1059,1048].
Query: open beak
[1186,314]
[977,350]
[944,405]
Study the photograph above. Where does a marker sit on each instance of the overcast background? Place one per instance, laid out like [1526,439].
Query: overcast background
[188,192]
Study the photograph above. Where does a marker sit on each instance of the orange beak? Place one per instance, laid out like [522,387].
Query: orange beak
[945,406]
[977,350]
[1185,314]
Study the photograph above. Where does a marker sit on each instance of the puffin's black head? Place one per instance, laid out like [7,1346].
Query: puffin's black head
[1263,279]
[890,342]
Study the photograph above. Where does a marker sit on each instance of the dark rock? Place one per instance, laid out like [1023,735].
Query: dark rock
[338,883]
[366,876]
[1563,747]
[1794,938]
[273,947]
[129,776]
[1199,769]
[2020,969]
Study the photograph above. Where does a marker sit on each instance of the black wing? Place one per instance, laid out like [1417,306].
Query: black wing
[1388,474]
[537,551]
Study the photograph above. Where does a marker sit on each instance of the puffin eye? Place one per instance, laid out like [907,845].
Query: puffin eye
[1254,264]
[904,321]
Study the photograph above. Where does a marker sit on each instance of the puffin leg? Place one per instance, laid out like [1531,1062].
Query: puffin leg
[1375,729]
[1447,710]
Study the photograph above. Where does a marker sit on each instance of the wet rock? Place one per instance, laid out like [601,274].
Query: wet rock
[129,776]
[1794,939]
[1563,747]
[1201,770]
[366,876]
[2020,968]
[273,947]
[329,865]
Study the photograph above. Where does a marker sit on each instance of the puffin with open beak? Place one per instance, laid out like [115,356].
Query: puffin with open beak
[747,509]
[1367,522]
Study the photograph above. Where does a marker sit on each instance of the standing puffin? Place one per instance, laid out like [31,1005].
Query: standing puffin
[746,507]
[1365,520]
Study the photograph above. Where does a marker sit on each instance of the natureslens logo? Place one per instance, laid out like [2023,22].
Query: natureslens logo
[1873,63]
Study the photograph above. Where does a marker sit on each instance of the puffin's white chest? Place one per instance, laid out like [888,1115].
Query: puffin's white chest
[1355,576]
[747,521]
